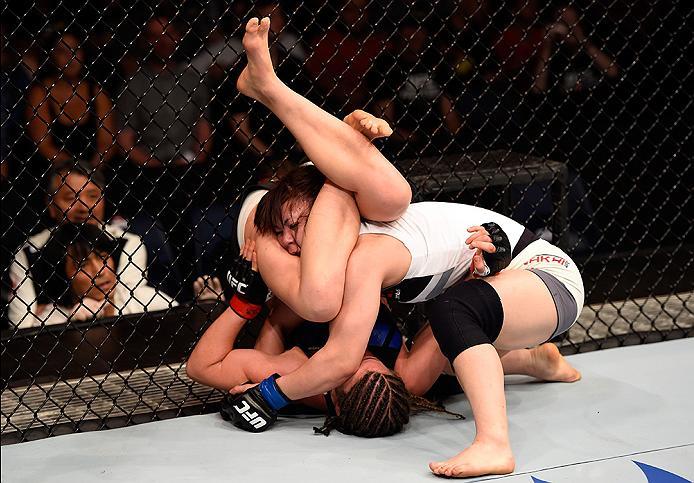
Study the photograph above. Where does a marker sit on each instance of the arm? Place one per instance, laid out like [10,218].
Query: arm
[215,363]
[106,133]
[601,60]
[201,146]
[241,131]
[541,76]
[40,121]
[135,152]
[450,115]
[423,364]
[349,334]
[376,261]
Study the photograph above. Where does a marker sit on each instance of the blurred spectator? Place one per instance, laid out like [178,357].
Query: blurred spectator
[570,62]
[408,87]
[168,140]
[69,116]
[466,44]
[14,81]
[343,54]
[77,198]
[84,280]
[165,129]
[257,133]
[517,50]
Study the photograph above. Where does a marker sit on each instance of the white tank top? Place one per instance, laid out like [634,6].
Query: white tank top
[435,234]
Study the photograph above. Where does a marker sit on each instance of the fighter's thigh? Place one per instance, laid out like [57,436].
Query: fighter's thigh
[530,316]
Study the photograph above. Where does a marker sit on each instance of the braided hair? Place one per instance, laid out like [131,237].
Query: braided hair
[378,405]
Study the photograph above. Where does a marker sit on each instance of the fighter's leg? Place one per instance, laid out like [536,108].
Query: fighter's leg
[544,362]
[513,310]
[342,154]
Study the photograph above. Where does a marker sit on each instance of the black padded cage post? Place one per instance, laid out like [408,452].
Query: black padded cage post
[574,118]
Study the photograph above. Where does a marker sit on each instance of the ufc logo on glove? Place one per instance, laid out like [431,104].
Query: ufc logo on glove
[252,417]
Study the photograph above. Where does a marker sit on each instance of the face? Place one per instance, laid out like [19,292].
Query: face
[73,200]
[368,364]
[92,278]
[291,234]
[67,56]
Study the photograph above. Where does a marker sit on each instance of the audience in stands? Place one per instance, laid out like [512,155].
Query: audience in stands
[75,198]
[410,92]
[343,54]
[165,131]
[69,116]
[84,279]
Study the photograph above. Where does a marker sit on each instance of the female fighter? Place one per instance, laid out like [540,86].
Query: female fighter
[537,297]
[388,380]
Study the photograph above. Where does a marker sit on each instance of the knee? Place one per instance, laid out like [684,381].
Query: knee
[323,304]
[468,315]
[396,200]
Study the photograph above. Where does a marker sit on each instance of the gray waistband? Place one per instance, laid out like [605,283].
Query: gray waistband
[567,310]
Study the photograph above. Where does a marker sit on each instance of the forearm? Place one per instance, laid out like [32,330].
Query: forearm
[48,149]
[450,115]
[242,132]
[349,332]
[601,60]
[203,140]
[134,152]
[541,73]
[214,345]
[324,371]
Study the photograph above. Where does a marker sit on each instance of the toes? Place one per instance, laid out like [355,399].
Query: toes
[264,25]
[252,25]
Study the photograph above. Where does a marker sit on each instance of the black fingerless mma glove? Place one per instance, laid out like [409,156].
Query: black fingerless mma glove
[250,292]
[256,409]
[500,259]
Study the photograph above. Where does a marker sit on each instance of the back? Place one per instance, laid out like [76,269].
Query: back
[435,234]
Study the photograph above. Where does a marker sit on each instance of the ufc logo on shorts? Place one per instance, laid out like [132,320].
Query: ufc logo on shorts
[253,418]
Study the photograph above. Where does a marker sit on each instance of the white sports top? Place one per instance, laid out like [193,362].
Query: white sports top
[435,235]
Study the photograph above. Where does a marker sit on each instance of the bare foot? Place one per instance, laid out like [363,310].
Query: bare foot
[550,365]
[369,125]
[259,75]
[477,460]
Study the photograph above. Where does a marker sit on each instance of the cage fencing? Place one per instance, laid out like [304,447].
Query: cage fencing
[122,127]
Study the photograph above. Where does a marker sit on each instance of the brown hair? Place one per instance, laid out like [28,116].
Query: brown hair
[378,405]
[301,185]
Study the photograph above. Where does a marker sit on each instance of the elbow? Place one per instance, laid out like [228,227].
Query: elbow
[194,369]
[344,369]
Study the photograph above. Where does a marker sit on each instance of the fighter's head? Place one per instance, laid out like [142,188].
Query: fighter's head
[373,402]
[283,211]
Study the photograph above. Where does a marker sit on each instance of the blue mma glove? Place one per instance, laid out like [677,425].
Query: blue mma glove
[256,409]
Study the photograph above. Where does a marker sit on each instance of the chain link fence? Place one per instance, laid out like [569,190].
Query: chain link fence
[122,125]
